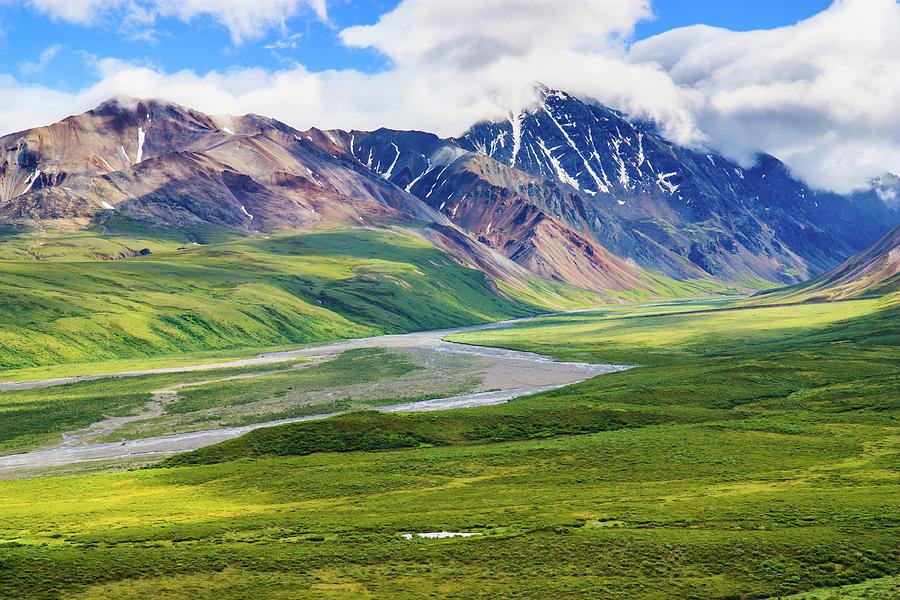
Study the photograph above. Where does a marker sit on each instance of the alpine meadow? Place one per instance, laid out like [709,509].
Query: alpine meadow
[509,299]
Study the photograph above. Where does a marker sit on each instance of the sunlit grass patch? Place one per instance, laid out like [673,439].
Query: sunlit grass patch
[758,462]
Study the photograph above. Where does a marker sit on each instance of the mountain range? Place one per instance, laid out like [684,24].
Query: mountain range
[568,190]
[621,185]
[873,272]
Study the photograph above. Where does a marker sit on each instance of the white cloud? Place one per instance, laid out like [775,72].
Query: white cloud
[30,68]
[571,41]
[83,12]
[456,62]
[469,34]
[287,43]
[821,95]
[245,19]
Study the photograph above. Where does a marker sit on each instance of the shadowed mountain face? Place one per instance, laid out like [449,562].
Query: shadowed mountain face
[569,191]
[620,185]
[873,272]
[509,210]
[171,168]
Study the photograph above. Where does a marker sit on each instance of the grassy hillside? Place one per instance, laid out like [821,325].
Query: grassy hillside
[225,397]
[754,456]
[288,289]
[821,289]
[63,301]
[874,272]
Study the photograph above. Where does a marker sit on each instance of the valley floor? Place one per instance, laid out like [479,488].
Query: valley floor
[753,454]
[485,376]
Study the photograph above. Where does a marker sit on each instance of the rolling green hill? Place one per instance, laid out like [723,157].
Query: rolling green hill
[281,290]
[125,291]
[755,455]
[874,272]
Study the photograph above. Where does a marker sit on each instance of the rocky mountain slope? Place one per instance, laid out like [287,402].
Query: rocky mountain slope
[873,272]
[622,186]
[172,169]
[169,166]
[503,207]
[569,191]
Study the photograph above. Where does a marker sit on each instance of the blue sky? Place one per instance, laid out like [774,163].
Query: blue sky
[737,15]
[814,82]
[203,45]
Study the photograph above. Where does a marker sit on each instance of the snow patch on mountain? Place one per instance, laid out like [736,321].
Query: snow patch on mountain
[140,147]
[387,174]
[561,173]
[516,124]
[662,179]
[30,181]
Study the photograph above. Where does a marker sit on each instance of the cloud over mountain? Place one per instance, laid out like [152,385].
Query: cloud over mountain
[820,95]
[245,20]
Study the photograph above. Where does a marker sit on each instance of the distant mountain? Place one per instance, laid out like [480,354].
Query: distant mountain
[622,186]
[569,191]
[887,188]
[873,272]
[165,165]
[173,169]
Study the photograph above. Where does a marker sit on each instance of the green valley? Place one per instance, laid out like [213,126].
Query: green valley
[277,291]
[754,454]
[516,343]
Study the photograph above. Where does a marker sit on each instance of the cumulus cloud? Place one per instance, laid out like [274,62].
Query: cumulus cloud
[457,62]
[470,34]
[432,85]
[821,94]
[49,53]
[245,19]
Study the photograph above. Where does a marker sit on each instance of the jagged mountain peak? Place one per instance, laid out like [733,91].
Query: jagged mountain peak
[118,134]
[247,171]
[122,112]
[887,187]
[621,184]
[130,104]
[554,99]
[587,146]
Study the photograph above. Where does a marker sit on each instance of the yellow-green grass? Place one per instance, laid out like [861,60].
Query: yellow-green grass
[286,290]
[756,454]
[659,512]
[72,244]
[662,334]
[125,365]
[823,288]
[885,588]
[662,286]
